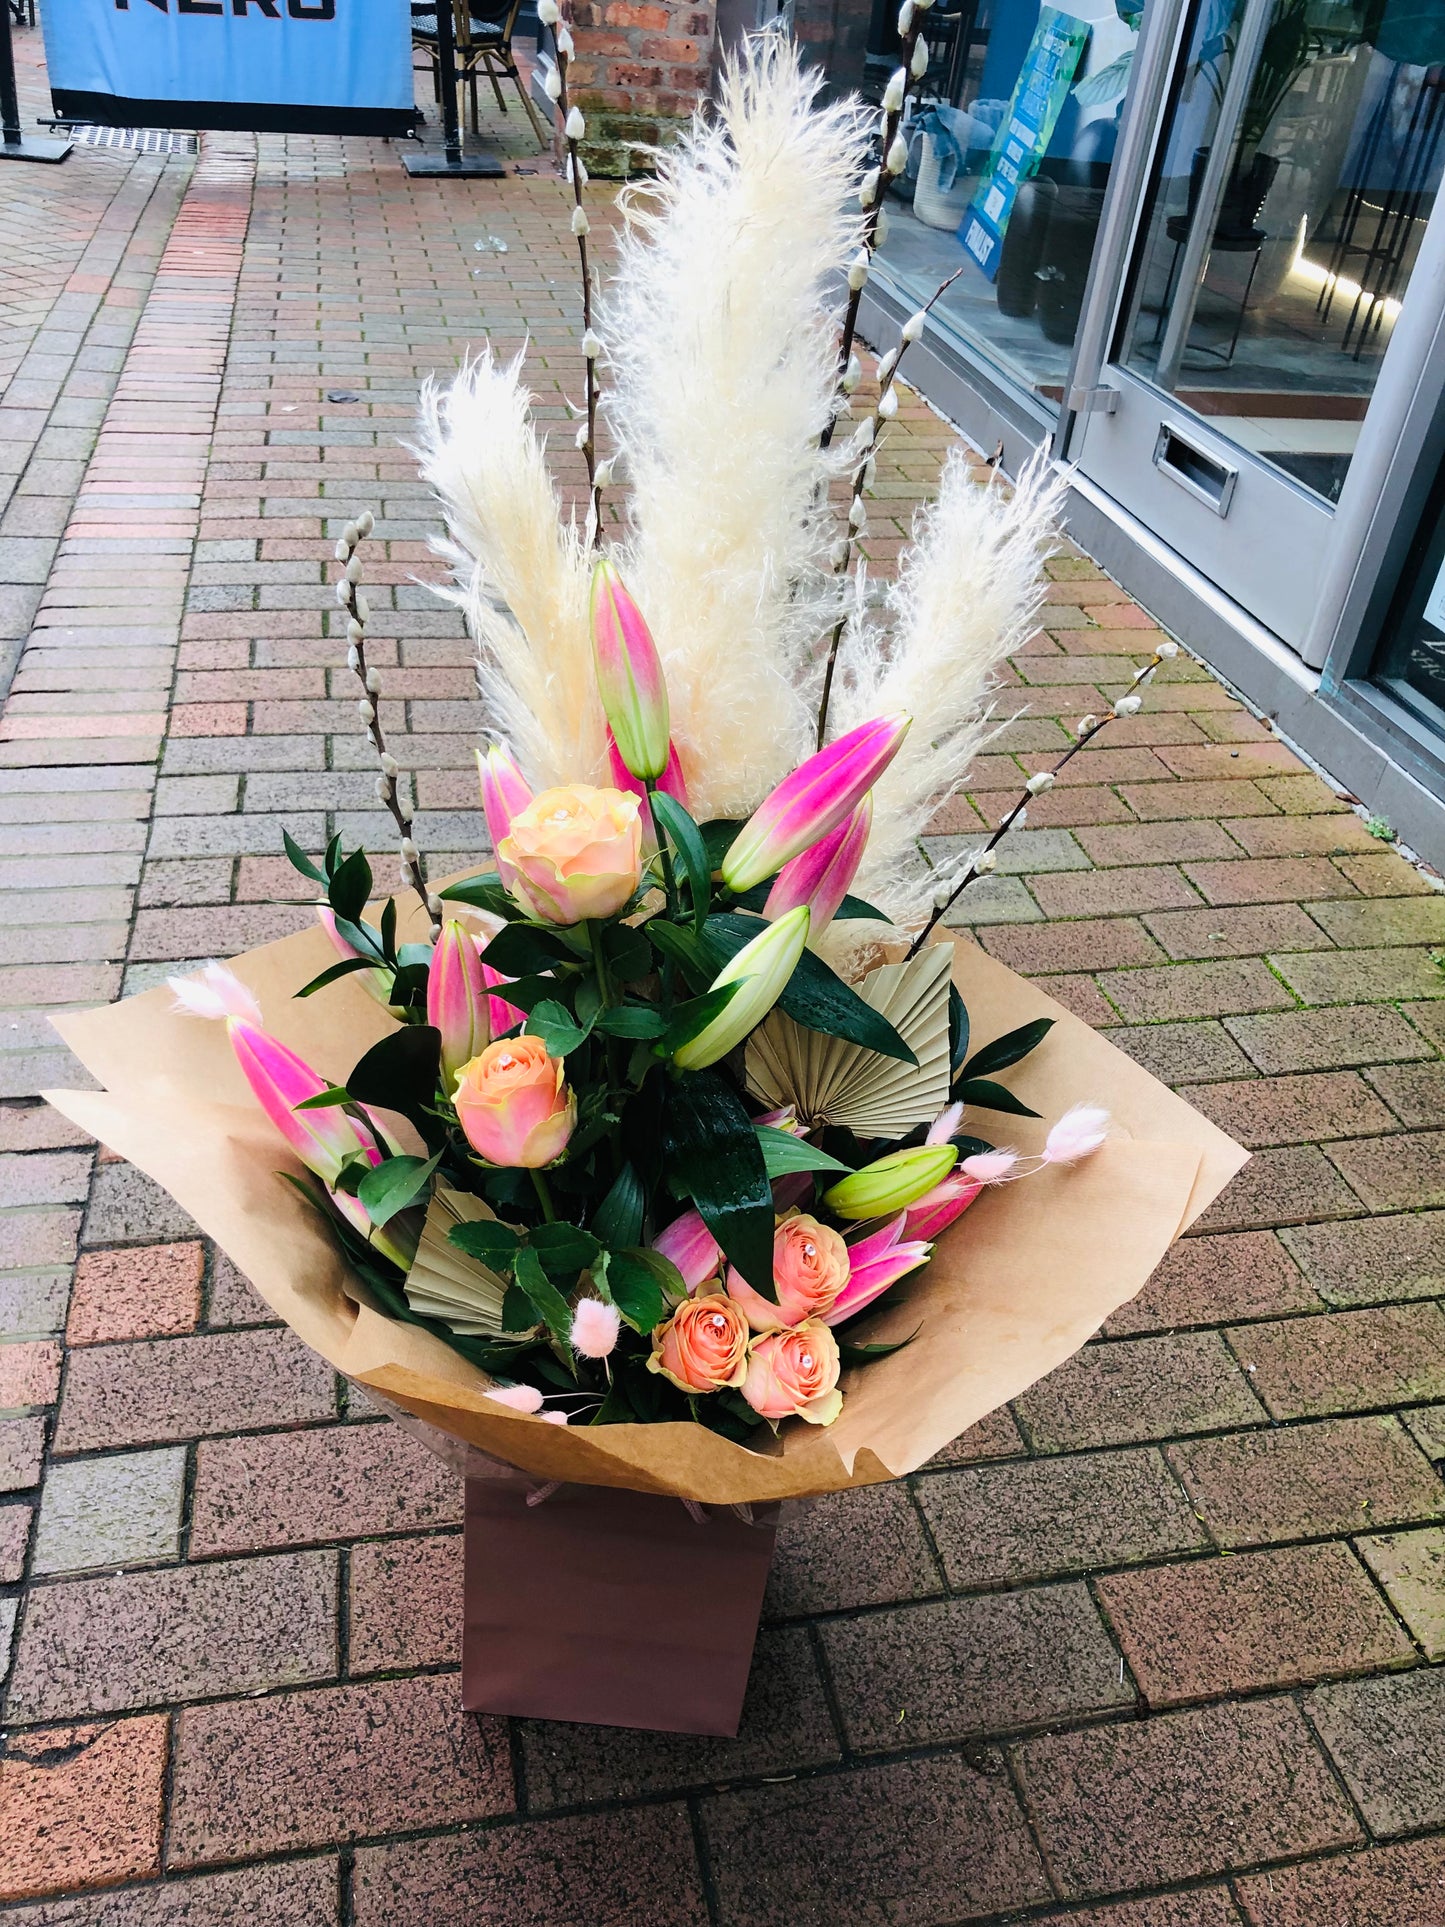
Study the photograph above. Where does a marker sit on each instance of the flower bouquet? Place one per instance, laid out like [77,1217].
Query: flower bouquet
[663,1155]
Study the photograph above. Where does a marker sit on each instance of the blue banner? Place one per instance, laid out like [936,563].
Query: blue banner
[296,66]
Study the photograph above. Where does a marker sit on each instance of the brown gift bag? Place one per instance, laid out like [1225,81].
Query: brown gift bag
[1015,1287]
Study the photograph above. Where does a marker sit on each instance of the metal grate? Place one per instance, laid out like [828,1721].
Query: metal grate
[146,140]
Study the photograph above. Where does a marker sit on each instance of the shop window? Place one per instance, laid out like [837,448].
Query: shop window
[1410,664]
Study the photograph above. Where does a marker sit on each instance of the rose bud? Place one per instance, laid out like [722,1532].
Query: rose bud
[761,969]
[504,791]
[810,1268]
[816,798]
[689,1245]
[514,1105]
[703,1346]
[794,1374]
[629,676]
[822,876]
[456,997]
[573,853]
[891,1183]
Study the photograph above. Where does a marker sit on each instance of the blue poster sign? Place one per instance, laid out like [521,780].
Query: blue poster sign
[1024,132]
[293,66]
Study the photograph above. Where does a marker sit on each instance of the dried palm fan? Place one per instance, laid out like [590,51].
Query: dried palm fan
[444,1282]
[831,1081]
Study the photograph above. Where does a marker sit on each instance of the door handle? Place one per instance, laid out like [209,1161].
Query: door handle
[1203,475]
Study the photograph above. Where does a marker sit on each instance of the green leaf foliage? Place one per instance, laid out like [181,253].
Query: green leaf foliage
[628,953]
[695,1014]
[400,1074]
[692,851]
[719,834]
[714,1157]
[482,892]
[682,947]
[555,1025]
[782,1152]
[299,859]
[639,1281]
[991,1097]
[334,972]
[815,996]
[349,890]
[549,1304]
[523,948]
[632,1020]
[564,1249]
[866,1354]
[617,1221]
[1008,1049]
[488,1240]
[958,1028]
[394,1184]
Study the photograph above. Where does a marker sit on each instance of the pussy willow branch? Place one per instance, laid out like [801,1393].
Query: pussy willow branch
[910,26]
[413,873]
[981,862]
[574,131]
[862,475]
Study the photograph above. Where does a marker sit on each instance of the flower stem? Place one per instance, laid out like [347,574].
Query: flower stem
[669,876]
[599,961]
[544,1197]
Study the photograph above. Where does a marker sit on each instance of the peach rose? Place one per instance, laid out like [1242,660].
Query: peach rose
[703,1346]
[514,1105]
[810,1268]
[573,853]
[794,1374]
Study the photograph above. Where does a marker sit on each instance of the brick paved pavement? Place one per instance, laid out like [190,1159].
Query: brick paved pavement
[1153,1648]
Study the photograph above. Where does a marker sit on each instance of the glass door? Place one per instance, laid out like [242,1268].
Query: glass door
[1295,171]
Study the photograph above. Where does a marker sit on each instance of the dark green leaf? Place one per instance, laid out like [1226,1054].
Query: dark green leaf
[616,1408]
[957,1030]
[482,892]
[681,947]
[970,1147]
[388,926]
[631,1020]
[639,1281]
[695,1015]
[718,835]
[332,856]
[628,953]
[815,996]
[991,1097]
[691,849]
[488,1240]
[361,937]
[394,1184]
[617,1221]
[1008,1049]
[350,888]
[518,1314]
[412,956]
[714,1156]
[866,1354]
[519,949]
[334,972]
[401,1073]
[299,859]
[408,986]
[782,1152]
[587,1002]
[556,1026]
[564,1249]
[551,1307]
[856,907]
[324,1100]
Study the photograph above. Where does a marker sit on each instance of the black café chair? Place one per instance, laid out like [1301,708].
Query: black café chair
[483,33]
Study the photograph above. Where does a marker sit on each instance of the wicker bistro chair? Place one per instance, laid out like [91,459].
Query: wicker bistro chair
[483,34]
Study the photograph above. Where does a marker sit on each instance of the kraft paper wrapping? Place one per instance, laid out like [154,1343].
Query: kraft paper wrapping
[1016,1286]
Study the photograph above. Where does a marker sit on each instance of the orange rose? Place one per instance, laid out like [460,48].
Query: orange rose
[795,1375]
[514,1105]
[810,1268]
[703,1346]
[573,853]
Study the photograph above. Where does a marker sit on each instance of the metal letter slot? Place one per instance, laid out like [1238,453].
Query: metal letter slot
[1204,475]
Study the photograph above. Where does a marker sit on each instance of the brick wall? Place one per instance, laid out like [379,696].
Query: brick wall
[640,69]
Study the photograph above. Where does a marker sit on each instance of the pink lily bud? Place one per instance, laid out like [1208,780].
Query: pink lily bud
[456,997]
[671,781]
[504,791]
[821,877]
[816,798]
[1077,1133]
[877,1262]
[938,1208]
[629,675]
[378,983]
[691,1247]
[324,1140]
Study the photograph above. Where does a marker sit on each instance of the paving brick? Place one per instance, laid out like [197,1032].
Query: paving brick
[785,1726]
[995,1664]
[151,1292]
[1414,1092]
[1159,802]
[81,1806]
[861,1548]
[1307,1481]
[994,1437]
[1269,880]
[1101,945]
[1330,1039]
[1195,990]
[1147,1388]
[295,1488]
[1346,1361]
[1204,1281]
[22,1442]
[1372,1259]
[32,1301]
[405,1604]
[1199,1907]
[1301,795]
[1246,931]
[1384,876]
[1398,1886]
[121,1509]
[1394,1173]
[1081,995]
[58,1177]
[182,1632]
[291,1893]
[635,1869]
[955,1847]
[1105,893]
[1411,1568]
[1293,1185]
[1296,1109]
[127,1207]
[14,1541]
[1300,835]
[998,1525]
[1387,1737]
[1429,1019]
[1182,1053]
[1361,976]
[1212,1627]
[232,1299]
[336,1763]
[1383,921]
[1171,842]
[29,1373]
[1187,1794]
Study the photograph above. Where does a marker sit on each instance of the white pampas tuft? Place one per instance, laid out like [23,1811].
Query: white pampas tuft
[968,591]
[217,993]
[723,370]
[522,572]
[1078,1132]
[595,1327]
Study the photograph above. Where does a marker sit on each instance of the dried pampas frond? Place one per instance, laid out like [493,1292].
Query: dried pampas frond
[722,357]
[968,593]
[522,572]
